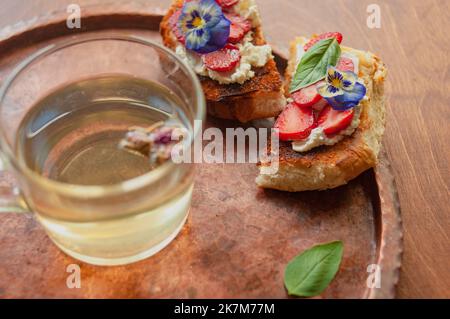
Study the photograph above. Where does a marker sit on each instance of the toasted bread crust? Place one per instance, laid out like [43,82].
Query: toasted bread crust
[259,97]
[331,166]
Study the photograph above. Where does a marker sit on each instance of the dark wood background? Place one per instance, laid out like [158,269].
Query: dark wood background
[413,41]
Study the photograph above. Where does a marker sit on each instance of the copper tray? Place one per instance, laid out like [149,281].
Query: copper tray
[238,239]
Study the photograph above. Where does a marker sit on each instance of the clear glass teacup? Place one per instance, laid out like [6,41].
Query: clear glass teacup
[62,110]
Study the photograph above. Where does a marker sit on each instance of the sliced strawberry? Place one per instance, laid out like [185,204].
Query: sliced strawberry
[226,3]
[323,36]
[236,33]
[295,123]
[333,121]
[345,64]
[173,22]
[307,96]
[235,19]
[238,28]
[222,60]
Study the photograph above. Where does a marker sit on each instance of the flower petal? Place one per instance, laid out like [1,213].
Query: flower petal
[189,12]
[349,99]
[349,80]
[327,90]
[331,74]
[197,39]
[355,95]
[211,12]
[220,33]
[190,6]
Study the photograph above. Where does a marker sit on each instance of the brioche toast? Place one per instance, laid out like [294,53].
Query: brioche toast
[326,167]
[261,96]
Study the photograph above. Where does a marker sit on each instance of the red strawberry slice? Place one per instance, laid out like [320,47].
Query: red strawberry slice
[173,22]
[307,96]
[333,121]
[236,33]
[323,36]
[295,123]
[235,19]
[222,60]
[345,64]
[226,3]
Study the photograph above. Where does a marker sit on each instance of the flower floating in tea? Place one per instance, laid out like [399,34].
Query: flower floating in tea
[341,89]
[204,26]
[155,142]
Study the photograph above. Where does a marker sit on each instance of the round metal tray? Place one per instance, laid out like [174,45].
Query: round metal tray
[238,239]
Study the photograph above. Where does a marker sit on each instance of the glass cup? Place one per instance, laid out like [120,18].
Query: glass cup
[107,224]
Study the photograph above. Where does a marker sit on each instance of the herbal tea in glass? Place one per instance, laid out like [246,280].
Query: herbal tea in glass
[99,201]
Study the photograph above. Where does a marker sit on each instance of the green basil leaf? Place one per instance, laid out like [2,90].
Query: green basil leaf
[314,63]
[311,272]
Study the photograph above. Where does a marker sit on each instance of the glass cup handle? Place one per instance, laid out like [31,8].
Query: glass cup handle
[11,200]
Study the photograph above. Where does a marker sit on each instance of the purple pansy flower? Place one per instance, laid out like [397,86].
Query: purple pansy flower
[204,26]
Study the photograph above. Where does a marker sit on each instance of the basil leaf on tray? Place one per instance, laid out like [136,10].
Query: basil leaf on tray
[313,65]
[309,273]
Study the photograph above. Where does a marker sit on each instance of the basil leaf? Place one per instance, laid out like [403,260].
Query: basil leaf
[314,63]
[311,272]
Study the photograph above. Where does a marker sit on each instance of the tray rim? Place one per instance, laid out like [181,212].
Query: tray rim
[133,16]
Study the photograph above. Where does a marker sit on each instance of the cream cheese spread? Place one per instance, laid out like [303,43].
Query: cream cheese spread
[318,137]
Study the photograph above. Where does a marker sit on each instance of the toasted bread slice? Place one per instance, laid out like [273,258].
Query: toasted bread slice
[327,167]
[259,97]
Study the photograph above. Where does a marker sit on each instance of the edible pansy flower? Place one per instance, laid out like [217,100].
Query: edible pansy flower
[341,89]
[155,142]
[204,26]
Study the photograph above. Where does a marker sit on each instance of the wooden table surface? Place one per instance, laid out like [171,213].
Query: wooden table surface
[413,41]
